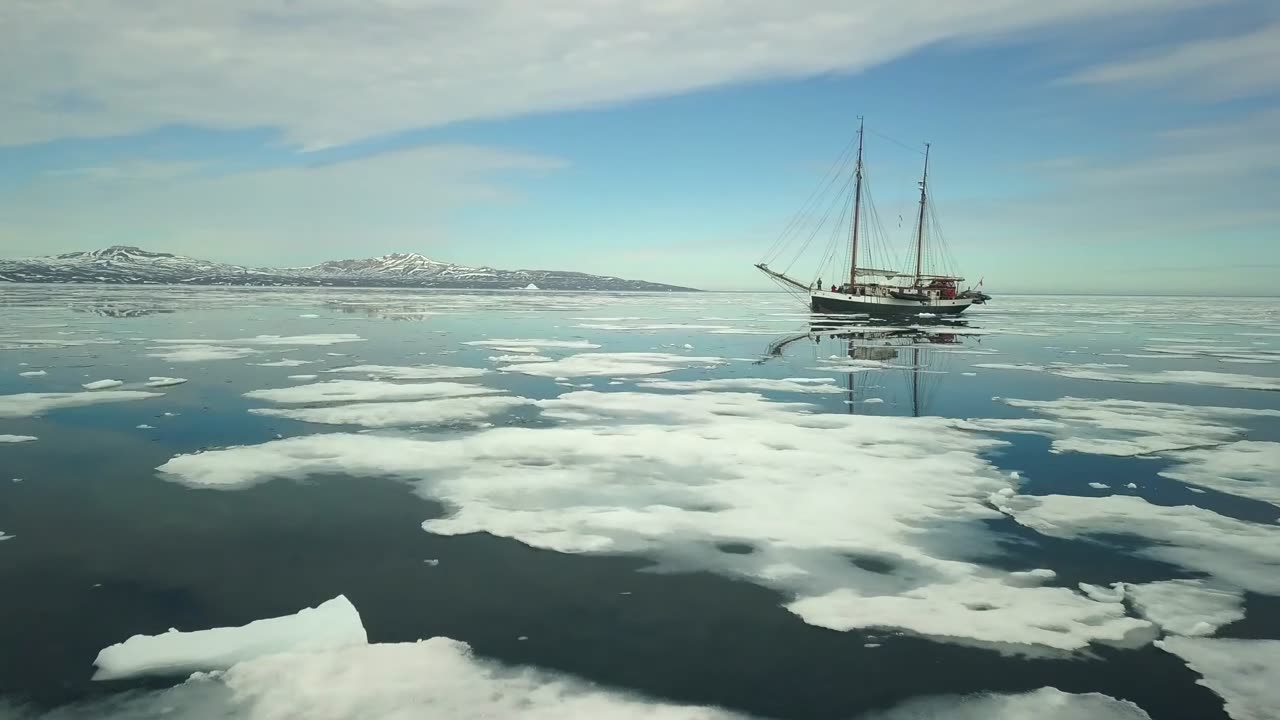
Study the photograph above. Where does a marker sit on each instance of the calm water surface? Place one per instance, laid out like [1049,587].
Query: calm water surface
[707,499]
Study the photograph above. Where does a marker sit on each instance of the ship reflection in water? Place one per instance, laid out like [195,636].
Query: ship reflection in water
[886,370]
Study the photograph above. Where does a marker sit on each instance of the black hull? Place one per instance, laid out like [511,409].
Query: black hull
[840,306]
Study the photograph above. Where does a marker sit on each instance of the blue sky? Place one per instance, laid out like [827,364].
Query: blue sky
[1090,146]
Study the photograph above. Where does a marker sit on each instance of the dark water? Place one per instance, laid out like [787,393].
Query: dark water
[103,546]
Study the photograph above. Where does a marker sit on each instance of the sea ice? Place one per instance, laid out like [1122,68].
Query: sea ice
[365,391]
[1099,486]
[1186,607]
[200,353]
[1242,554]
[1241,672]
[17,438]
[1043,704]
[524,345]
[795,385]
[476,408]
[1245,468]
[673,477]
[286,362]
[436,678]
[102,384]
[158,381]
[632,363]
[331,624]
[273,340]
[33,373]
[417,372]
[31,404]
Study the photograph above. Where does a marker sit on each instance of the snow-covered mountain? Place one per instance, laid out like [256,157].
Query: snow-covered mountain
[131,265]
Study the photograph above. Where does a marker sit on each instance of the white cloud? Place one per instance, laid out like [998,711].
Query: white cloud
[1224,67]
[331,71]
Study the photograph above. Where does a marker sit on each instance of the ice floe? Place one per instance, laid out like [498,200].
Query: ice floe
[473,409]
[1043,704]
[287,362]
[364,391]
[415,372]
[331,624]
[1247,468]
[1241,672]
[1134,427]
[516,358]
[4,537]
[321,339]
[624,363]
[1156,377]
[1243,554]
[33,373]
[200,353]
[17,438]
[1186,607]
[795,385]
[102,384]
[532,345]
[435,678]
[158,381]
[30,404]
[303,377]
[816,496]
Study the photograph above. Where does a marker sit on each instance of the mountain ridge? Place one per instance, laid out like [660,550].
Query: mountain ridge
[127,264]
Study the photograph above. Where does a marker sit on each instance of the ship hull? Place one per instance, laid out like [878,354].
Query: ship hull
[841,303]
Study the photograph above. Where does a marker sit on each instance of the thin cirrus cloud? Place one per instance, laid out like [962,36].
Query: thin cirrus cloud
[1217,68]
[330,72]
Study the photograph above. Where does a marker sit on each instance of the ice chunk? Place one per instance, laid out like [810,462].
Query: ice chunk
[634,363]
[6,537]
[303,377]
[516,358]
[286,362]
[1043,704]
[1186,607]
[30,404]
[33,373]
[17,438]
[331,624]
[795,385]
[200,353]
[1241,672]
[102,384]
[525,345]
[144,426]
[273,340]
[1099,486]
[158,381]
[1101,594]
[365,390]
[417,372]
[436,679]
[391,414]
[1242,554]
[1245,468]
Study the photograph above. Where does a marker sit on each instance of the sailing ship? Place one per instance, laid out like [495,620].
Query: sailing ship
[866,289]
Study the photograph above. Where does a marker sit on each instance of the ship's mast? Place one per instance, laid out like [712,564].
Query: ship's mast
[924,181]
[857,212]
